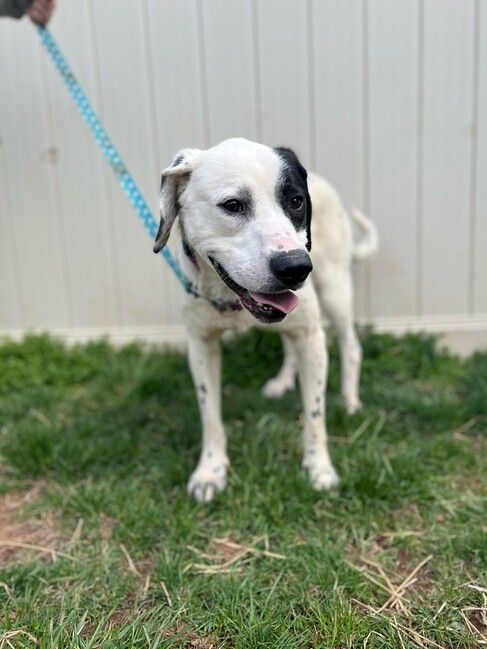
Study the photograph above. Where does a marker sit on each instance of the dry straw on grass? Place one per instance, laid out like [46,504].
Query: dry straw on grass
[474,617]
[396,599]
[8,639]
[230,556]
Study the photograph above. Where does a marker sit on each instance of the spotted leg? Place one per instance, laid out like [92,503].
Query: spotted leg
[312,368]
[210,475]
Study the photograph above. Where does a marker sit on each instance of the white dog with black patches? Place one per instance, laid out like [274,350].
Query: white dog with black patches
[244,241]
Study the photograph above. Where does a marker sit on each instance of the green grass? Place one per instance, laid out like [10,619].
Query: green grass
[113,435]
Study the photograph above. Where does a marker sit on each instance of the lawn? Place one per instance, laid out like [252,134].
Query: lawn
[96,445]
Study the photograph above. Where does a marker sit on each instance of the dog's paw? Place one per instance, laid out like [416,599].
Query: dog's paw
[277,387]
[205,483]
[322,476]
[352,405]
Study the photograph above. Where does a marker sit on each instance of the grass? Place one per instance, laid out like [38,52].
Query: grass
[97,445]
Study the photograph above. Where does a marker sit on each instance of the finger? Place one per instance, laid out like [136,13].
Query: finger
[51,5]
[38,17]
[35,15]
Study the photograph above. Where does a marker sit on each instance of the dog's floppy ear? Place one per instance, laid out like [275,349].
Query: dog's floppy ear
[172,180]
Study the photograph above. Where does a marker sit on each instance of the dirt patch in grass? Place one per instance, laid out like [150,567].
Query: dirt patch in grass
[191,640]
[476,623]
[186,637]
[107,527]
[22,536]
[465,484]
[117,619]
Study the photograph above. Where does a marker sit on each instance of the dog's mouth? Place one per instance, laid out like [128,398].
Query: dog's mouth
[265,307]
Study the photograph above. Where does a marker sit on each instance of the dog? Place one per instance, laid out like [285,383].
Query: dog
[244,241]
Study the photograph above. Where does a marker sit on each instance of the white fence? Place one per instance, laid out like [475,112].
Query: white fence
[386,98]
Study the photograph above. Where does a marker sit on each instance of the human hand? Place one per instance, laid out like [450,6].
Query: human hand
[40,11]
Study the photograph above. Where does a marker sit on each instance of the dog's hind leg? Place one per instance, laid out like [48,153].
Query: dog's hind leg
[210,476]
[285,380]
[313,367]
[336,296]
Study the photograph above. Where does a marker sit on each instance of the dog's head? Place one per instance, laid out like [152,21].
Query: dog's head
[246,210]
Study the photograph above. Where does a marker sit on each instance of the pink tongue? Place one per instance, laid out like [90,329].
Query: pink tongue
[285,302]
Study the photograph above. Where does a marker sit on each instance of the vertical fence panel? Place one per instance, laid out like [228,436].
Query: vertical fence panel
[446,156]
[230,74]
[393,41]
[78,169]
[178,95]
[34,218]
[284,74]
[337,37]
[124,102]
[181,116]
[479,238]
[338,65]
[9,297]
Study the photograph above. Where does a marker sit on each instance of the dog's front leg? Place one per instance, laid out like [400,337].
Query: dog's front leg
[210,476]
[313,368]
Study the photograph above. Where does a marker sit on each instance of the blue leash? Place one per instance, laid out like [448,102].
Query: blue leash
[108,149]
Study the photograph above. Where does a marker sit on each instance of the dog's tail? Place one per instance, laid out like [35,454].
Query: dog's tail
[368,243]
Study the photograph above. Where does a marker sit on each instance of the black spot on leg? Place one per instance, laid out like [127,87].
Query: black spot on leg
[202,388]
[315,414]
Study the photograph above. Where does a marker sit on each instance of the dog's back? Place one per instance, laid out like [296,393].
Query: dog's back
[330,226]
[334,246]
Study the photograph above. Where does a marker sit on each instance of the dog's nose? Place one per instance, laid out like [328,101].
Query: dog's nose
[291,267]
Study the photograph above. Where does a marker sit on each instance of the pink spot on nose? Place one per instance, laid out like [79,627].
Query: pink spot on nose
[283,241]
[287,243]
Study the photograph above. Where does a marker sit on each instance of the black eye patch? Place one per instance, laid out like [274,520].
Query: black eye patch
[292,191]
[292,200]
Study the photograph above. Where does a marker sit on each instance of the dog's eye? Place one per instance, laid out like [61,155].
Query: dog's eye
[297,202]
[233,206]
